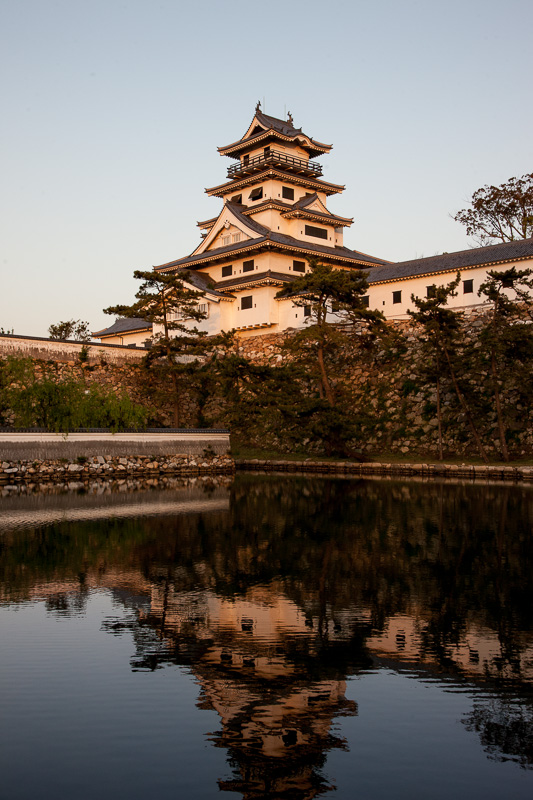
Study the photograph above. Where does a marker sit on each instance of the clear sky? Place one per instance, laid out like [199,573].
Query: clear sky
[112,111]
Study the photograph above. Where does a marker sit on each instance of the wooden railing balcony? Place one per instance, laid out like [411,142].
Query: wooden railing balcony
[275,158]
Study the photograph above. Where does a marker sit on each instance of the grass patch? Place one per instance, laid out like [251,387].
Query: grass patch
[239,450]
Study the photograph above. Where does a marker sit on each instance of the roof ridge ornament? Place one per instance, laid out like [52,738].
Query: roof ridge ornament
[289,118]
[258,107]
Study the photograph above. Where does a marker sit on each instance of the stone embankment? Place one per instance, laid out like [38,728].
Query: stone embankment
[464,471]
[112,467]
[397,410]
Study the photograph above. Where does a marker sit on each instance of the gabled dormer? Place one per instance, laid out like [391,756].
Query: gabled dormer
[230,227]
[311,207]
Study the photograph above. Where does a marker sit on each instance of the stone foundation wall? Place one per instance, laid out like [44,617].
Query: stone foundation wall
[401,411]
[111,468]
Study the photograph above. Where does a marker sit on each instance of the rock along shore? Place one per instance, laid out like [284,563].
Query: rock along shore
[112,467]
[465,471]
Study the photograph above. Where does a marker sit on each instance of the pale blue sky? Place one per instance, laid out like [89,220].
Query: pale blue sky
[113,110]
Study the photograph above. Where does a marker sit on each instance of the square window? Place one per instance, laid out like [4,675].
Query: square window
[246,302]
[468,286]
[396,297]
[256,194]
[248,266]
[298,266]
[287,193]
[227,271]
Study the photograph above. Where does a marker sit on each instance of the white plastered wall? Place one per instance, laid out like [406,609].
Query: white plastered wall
[381,295]
[134,337]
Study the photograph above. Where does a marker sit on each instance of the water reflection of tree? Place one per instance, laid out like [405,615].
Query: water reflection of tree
[505,728]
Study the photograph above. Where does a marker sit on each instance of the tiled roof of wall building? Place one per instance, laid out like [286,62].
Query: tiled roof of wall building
[125,325]
[451,262]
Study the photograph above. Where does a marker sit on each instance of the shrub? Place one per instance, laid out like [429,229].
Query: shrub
[61,404]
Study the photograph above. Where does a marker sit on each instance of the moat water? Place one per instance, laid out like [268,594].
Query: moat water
[269,637]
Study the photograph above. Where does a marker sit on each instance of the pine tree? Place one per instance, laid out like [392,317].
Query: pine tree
[441,331]
[506,337]
[177,346]
[337,317]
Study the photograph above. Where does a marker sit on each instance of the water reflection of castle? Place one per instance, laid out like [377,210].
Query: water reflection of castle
[262,665]
[271,616]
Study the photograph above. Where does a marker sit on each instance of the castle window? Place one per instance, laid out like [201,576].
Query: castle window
[431,291]
[287,193]
[256,194]
[468,286]
[248,266]
[307,311]
[266,152]
[226,240]
[365,300]
[203,308]
[246,302]
[298,266]
[312,230]
[237,198]
[245,160]
[236,237]
[397,297]
[227,271]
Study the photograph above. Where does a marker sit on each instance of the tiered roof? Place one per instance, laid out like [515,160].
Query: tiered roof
[264,129]
[255,238]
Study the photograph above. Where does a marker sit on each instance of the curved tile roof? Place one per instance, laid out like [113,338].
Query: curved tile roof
[125,325]
[451,262]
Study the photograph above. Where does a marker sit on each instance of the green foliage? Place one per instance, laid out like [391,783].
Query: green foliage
[505,356]
[75,329]
[334,298]
[409,387]
[61,404]
[178,347]
[441,358]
